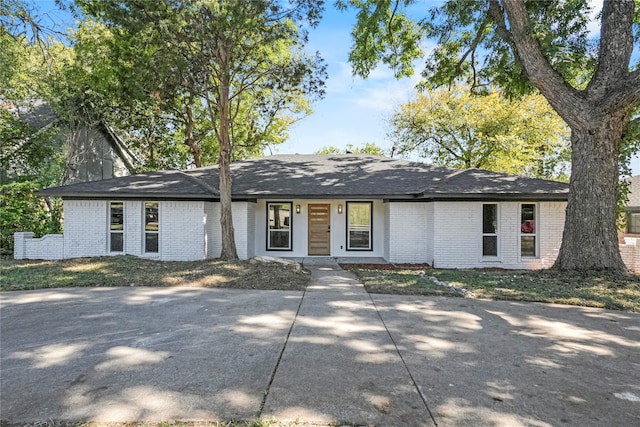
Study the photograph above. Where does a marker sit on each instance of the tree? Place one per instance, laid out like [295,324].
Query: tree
[520,46]
[239,63]
[30,153]
[367,148]
[455,128]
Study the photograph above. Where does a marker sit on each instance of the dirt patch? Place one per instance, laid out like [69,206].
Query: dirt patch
[132,271]
[385,267]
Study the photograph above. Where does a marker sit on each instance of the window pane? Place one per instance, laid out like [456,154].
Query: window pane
[489,219]
[359,226]
[117,242]
[151,216]
[116,216]
[359,214]
[634,224]
[359,239]
[490,245]
[528,246]
[278,239]
[528,219]
[279,216]
[151,242]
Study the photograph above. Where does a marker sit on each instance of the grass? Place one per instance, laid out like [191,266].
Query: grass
[592,290]
[132,271]
[605,291]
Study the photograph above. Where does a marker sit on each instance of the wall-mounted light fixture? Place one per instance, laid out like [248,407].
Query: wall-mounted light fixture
[298,209]
[340,209]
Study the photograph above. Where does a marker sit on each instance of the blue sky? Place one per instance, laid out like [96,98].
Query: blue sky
[354,111]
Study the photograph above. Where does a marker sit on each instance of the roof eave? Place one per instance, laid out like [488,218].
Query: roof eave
[529,197]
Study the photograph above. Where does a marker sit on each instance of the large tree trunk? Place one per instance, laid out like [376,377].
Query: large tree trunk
[229,251]
[590,239]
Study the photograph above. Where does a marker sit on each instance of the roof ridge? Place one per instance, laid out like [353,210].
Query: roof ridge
[200,183]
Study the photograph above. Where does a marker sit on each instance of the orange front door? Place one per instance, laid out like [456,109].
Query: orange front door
[319,229]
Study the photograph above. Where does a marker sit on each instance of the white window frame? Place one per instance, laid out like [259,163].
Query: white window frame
[145,231]
[495,234]
[630,228]
[535,234]
[111,231]
[289,230]
[369,230]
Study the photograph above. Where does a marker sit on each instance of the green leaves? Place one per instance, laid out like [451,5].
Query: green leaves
[22,210]
[384,34]
[455,128]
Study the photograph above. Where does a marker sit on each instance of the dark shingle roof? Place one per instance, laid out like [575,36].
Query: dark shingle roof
[320,176]
[170,184]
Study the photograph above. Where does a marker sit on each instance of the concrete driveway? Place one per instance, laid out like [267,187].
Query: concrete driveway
[332,353]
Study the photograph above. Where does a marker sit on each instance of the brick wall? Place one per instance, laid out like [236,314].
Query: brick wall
[630,252]
[243,214]
[457,236]
[133,227]
[407,232]
[182,231]
[50,246]
[85,228]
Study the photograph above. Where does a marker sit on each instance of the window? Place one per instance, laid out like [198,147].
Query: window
[633,225]
[528,230]
[116,227]
[151,227]
[279,226]
[359,226]
[490,230]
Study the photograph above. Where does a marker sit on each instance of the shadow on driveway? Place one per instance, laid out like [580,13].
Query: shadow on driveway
[159,354]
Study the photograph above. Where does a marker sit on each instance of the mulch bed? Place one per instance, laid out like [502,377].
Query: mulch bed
[385,267]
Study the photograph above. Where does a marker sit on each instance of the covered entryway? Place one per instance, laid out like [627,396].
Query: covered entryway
[319,240]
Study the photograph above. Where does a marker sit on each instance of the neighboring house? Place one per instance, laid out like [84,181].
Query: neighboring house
[90,152]
[633,208]
[358,206]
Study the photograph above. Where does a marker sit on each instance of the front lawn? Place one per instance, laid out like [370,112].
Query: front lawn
[544,286]
[132,271]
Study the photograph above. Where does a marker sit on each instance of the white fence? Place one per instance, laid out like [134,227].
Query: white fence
[630,252]
[50,246]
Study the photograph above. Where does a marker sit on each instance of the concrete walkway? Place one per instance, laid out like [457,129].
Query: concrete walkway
[341,357]
[331,354]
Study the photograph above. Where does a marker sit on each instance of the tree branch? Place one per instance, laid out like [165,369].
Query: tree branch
[616,46]
[541,74]
[474,44]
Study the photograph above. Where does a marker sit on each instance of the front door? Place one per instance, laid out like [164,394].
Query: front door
[319,229]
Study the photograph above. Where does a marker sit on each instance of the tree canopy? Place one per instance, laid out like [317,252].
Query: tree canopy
[366,148]
[455,128]
[228,77]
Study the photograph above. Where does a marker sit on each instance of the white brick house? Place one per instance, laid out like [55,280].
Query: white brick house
[309,205]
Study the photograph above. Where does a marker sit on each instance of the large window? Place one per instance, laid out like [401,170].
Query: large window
[359,226]
[116,227]
[279,226]
[151,227]
[528,230]
[633,224]
[490,230]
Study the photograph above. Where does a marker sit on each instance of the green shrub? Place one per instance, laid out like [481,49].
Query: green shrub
[22,210]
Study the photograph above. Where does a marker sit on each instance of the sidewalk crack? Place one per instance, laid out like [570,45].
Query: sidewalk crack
[415,384]
[275,368]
